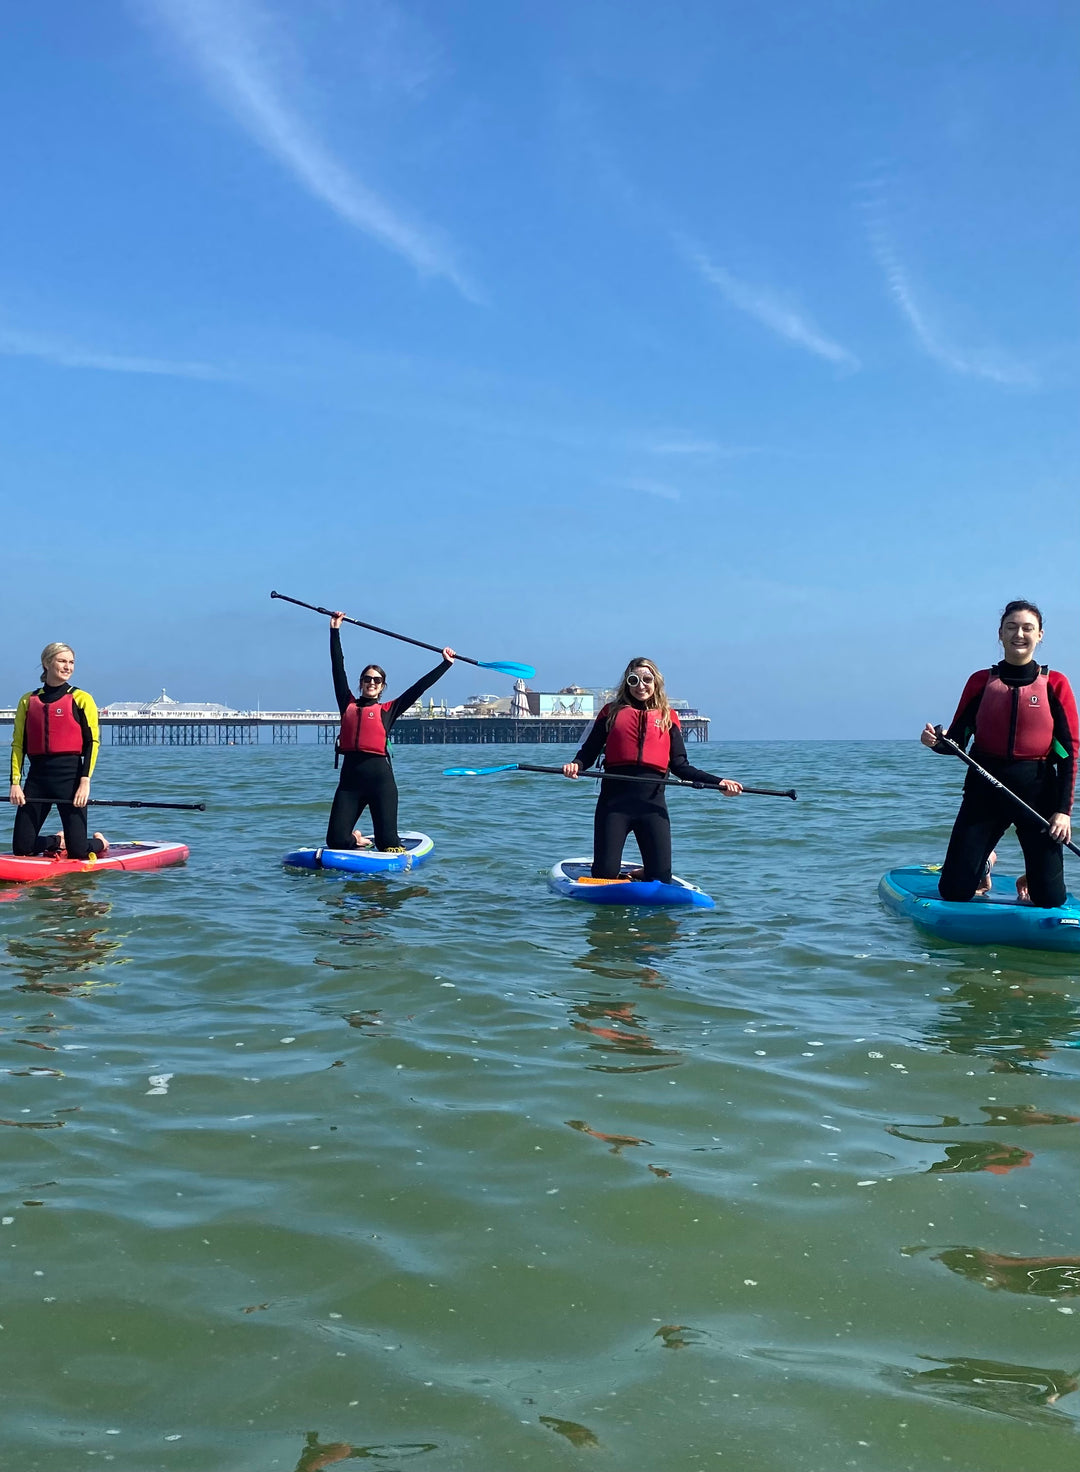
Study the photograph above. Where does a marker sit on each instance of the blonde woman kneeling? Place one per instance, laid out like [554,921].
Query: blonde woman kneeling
[638,734]
[56,726]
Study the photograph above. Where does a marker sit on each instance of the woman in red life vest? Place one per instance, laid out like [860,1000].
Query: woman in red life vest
[1021,718]
[56,726]
[638,735]
[367,777]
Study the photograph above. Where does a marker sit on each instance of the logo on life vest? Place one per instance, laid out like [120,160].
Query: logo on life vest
[1034,699]
[59,710]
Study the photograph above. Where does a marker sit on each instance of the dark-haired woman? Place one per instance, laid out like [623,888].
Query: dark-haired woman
[638,735]
[367,777]
[56,726]
[1021,718]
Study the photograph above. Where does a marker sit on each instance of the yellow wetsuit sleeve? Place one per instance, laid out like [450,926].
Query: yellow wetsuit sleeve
[84,703]
[18,741]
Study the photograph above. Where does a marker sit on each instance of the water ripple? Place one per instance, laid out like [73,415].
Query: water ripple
[439,1169]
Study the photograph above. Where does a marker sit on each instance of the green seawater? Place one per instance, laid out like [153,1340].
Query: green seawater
[444,1172]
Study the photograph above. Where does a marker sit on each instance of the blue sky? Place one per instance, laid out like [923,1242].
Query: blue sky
[747,337]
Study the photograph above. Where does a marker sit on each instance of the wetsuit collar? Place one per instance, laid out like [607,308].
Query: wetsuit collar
[1017,674]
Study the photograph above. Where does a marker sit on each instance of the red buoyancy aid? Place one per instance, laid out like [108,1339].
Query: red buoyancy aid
[636,736]
[1015,722]
[362,729]
[52,727]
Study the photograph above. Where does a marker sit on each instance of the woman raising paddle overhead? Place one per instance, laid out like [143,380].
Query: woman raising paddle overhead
[638,735]
[56,726]
[367,778]
[1023,719]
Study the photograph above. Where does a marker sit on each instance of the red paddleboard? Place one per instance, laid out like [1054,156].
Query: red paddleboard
[120,856]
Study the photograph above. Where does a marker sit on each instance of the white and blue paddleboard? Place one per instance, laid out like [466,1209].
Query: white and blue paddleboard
[418,847]
[996,918]
[573,879]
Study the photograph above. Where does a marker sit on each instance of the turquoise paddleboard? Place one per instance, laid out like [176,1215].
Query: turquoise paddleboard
[418,847]
[573,879]
[991,919]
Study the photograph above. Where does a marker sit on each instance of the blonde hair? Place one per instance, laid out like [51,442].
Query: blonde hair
[49,653]
[657,701]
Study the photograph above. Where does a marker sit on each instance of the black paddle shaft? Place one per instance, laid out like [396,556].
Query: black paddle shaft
[1019,801]
[660,781]
[373,627]
[107,802]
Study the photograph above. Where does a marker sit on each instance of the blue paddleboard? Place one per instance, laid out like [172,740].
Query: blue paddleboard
[991,919]
[418,847]
[573,879]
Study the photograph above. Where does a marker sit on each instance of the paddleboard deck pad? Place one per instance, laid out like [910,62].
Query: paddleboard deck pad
[120,856]
[996,918]
[418,847]
[573,879]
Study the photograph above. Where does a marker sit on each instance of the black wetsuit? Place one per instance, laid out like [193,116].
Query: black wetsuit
[55,779]
[985,813]
[367,778]
[633,807]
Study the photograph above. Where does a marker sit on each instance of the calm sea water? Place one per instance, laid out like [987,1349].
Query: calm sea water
[448,1173]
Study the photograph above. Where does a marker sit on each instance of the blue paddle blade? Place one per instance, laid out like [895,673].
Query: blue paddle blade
[478,771]
[508,667]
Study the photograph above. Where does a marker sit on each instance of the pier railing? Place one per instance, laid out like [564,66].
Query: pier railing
[284,728]
[504,730]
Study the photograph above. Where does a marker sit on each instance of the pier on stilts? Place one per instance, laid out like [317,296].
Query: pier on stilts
[166,722]
[285,728]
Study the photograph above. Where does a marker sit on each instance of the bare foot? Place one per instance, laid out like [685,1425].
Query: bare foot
[104,844]
[1022,895]
[983,886]
[361,841]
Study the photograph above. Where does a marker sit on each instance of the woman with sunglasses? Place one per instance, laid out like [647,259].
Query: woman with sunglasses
[638,734]
[367,778]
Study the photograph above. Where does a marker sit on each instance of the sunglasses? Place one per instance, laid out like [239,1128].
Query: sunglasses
[371,679]
[635,680]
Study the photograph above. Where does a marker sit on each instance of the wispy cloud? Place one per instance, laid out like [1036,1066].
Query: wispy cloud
[986,363]
[231,43]
[683,447]
[689,448]
[650,487]
[766,307]
[16,344]
[763,304]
